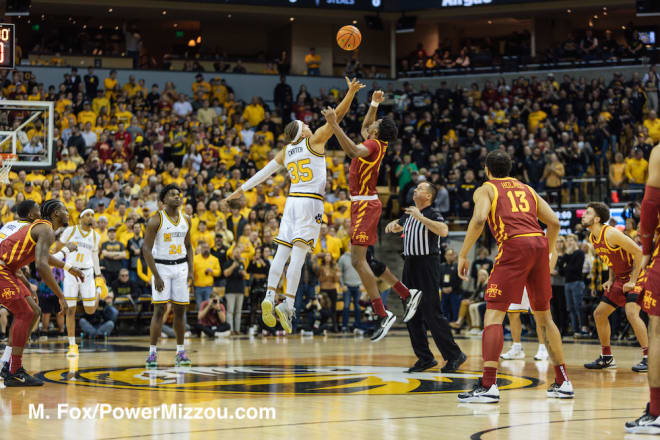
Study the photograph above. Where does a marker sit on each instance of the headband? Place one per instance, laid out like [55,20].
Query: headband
[86,211]
[300,129]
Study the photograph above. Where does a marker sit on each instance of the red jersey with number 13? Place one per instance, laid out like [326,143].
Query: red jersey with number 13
[617,258]
[513,212]
[363,173]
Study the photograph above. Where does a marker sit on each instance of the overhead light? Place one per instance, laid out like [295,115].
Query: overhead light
[110,10]
[192,43]
[490,21]
[291,18]
[164,12]
[116,28]
[604,12]
[354,21]
[623,27]
[84,26]
[101,27]
[228,15]
[176,25]
[74,22]
[199,40]
[596,17]
[568,11]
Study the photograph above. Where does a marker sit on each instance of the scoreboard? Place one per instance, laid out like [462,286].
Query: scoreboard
[7,45]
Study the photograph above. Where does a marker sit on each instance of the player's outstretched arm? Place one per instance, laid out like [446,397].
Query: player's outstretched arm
[261,176]
[44,238]
[482,201]
[345,142]
[615,237]
[548,217]
[149,237]
[369,119]
[324,133]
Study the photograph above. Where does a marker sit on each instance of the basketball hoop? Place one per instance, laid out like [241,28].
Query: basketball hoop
[7,160]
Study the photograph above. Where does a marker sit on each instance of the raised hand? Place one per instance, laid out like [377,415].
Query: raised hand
[353,84]
[329,115]
[378,96]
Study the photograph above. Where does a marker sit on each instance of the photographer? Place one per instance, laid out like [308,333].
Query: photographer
[211,318]
[318,310]
[235,290]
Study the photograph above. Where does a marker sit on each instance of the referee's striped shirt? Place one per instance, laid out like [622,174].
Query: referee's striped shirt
[417,238]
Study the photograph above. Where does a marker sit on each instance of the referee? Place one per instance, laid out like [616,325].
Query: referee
[422,226]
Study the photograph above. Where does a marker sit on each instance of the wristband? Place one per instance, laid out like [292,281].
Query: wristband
[67,267]
[374,104]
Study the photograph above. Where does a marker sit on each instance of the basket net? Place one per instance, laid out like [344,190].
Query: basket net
[6,162]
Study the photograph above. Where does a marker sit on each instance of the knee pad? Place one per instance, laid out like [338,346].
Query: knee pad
[377,267]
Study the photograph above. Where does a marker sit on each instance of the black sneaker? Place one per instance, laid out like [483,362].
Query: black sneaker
[642,367]
[480,394]
[646,424]
[4,371]
[563,391]
[422,366]
[411,303]
[454,364]
[601,363]
[22,379]
[384,325]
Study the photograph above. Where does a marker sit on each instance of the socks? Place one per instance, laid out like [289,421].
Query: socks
[16,363]
[492,341]
[542,347]
[401,290]
[654,407]
[72,341]
[290,302]
[645,351]
[6,355]
[152,349]
[560,374]
[517,346]
[179,348]
[489,377]
[378,306]
[606,350]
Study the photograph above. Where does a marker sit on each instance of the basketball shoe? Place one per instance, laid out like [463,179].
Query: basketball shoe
[642,367]
[181,359]
[73,351]
[515,352]
[542,353]
[384,325]
[601,363]
[563,391]
[481,394]
[646,424]
[411,303]
[267,306]
[285,313]
[152,361]
[22,379]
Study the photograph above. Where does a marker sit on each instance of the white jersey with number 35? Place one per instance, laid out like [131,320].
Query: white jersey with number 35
[307,169]
[87,242]
[170,238]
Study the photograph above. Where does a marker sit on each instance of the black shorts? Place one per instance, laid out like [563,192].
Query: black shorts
[49,304]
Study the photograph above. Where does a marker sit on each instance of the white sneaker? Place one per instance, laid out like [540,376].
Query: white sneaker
[565,391]
[222,334]
[285,313]
[479,394]
[513,353]
[307,333]
[646,424]
[411,304]
[187,334]
[267,306]
[358,332]
[541,354]
[163,335]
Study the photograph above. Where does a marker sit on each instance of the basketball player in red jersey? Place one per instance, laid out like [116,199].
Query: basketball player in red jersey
[624,259]
[512,210]
[16,251]
[648,287]
[366,209]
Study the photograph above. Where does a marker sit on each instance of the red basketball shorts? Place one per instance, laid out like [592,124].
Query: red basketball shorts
[522,261]
[648,287]
[12,291]
[365,215]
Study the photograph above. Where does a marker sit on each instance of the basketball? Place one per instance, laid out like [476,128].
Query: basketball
[349,37]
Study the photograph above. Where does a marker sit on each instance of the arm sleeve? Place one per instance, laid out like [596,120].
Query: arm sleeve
[262,175]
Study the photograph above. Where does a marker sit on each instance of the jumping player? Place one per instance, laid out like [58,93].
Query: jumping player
[624,259]
[168,252]
[304,158]
[516,351]
[512,210]
[30,244]
[649,298]
[366,209]
[86,258]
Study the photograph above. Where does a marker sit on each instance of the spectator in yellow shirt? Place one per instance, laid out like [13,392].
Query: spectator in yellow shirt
[653,126]
[111,85]
[536,117]
[254,113]
[637,169]
[131,87]
[201,86]
[202,234]
[328,243]
[313,61]
[206,268]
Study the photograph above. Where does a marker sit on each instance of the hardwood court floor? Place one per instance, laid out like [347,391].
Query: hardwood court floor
[321,388]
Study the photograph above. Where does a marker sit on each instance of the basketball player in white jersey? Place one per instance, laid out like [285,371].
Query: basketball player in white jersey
[167,250]
[85,257]
[516,350]
[304,158]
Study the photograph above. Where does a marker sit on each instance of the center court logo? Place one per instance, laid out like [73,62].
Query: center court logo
[282,380]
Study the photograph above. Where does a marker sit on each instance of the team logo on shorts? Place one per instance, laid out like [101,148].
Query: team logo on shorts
[493,291]
[362,237]
[7,293]
[282,379]
[648,300]
[319,218]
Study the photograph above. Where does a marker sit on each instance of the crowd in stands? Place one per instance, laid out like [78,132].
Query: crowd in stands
[511,52]
[117,144]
